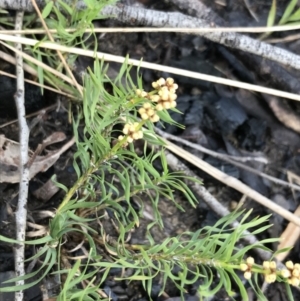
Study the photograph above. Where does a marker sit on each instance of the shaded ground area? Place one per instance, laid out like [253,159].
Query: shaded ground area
[227,120]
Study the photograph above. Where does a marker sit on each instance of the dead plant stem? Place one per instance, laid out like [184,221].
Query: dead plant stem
[21,212]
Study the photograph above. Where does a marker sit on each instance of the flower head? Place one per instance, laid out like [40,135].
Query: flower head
[132,131]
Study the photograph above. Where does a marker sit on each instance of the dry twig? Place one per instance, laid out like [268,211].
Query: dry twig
[231,159]
[152,66]
[21,212]
[232,182]
[146,17]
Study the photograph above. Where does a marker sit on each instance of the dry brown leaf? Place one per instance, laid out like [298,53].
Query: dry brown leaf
[47,191]
[10,152]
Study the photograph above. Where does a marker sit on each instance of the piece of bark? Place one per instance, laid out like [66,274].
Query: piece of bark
[200,10]
[47,191]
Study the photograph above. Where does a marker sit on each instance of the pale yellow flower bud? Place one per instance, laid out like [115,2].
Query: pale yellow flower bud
[266,265]
[163,93]
[295,273]
[172,97]
[297,266]
[169,81]
[175,86]
[161,81]
[147,105]
[142,111]
[163,89]
[154,118]
[173,104]
[155,85]
[250,261]
[126,129]
[120,137]
[285,273]
[243,267]
[159,107]
[132,128]
[270,278]
[129,139]
[289,264]
[136,135]
[145,116]
[294,281]
[155,98]
[273,265]
[166,105]
[150,112]
[247,275]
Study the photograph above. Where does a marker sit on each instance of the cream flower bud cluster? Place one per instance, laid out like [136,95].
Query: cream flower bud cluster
[246,267]
[166,94]
[292,273]
[270,271]
[148,112]
[141,93]
[164,98]
[132,132]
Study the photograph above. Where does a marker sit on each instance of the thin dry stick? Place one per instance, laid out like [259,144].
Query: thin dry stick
[21,212]
[38,63]
[232,182]
[159,29]
[52,107]
[211,201]
[39,85]
[146,17]
[157,67]
[208,151]
[12,60]
[230,159]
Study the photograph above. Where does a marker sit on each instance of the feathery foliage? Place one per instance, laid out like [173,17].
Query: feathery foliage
[108,120]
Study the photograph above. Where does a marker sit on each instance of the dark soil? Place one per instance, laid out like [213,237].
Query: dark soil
[223,119]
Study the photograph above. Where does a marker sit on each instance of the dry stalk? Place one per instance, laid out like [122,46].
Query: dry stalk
[157,67]
[21,212]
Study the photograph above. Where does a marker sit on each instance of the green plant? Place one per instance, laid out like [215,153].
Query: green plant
[105,180]
[110,116]
[291,14]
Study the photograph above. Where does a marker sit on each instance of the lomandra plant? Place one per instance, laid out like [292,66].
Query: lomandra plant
[112,118]
[119,157]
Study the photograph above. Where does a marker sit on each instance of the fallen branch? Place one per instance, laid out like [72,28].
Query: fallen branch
[21,212]
[268,70]
[152,66]
[230,159]
[232,182]
[146,17]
